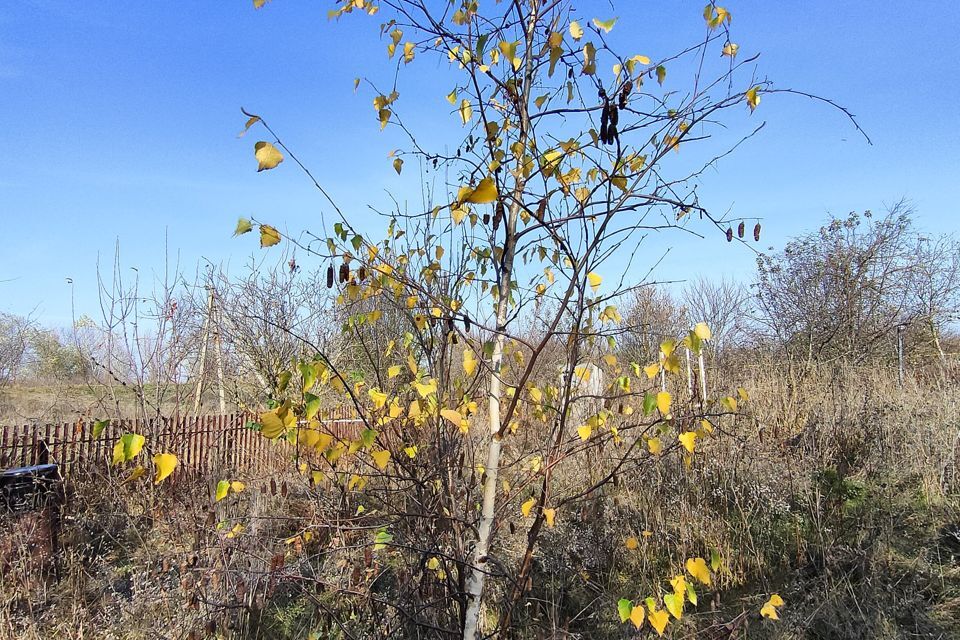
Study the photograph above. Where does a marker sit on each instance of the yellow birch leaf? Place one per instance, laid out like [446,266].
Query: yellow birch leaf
[584,431]
[655,446]
[426,388]
[452,416]
[637,616]
[527,506]
[408,52]
[775,600]
[594,280]
[549,515]
[485,192]
[679,584]
[576,31]
[697,567]
[753,98]
[469,362]
[398,165]
[688,439]
[452,97]
[703,331]
[605,25]
[652,370]
[674,605]
[658,620]
[165,464]
[223,487]
[236,486]
[664,400]
[433,563]
[379,398]
[269,236]
[631,543]
[730,49]
[267,155]
[136,474]
[466,111]
[381,458]
[768,611]
[394,371]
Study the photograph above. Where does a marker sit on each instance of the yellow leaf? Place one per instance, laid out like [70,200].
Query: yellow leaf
[589,59]
[594,280]
[466,111]
[768,611]
[165,464]
[469,362]
[584,431]
[272,424]
[652,370]
[655,446]
[667,347]
[268,236]
[658,620]
[485,192]
[452,97]
[576,31]
[753,98]
[267,155]
[664,400]
[527,506]
[394,371]
[236,486]
[411,451]
[426,388]
[549,515]
[398,165]
[730,49]
[223,487]
[136,474]
[379,398]
[408,52]
[381,458]
[674,605]
[688,439]
[605,25]
[631,543]
[775,600]
[412,364]
[679,584]
[703,331]
[610,359]
[637,615]
[452,416]
[433,563]
[697,567]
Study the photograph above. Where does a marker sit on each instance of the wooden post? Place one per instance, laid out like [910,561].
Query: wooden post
[203,353]
[900,354]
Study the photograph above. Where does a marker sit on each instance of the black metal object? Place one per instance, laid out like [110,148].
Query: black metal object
[30,488]
[31,506]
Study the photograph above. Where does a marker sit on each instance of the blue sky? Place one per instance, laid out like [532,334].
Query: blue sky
[121,121]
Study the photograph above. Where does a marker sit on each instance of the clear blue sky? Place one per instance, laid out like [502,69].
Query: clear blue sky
[120,122]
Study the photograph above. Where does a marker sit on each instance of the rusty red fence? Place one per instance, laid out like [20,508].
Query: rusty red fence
[201,443]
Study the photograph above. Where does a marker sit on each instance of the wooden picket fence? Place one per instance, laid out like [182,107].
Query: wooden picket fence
[203,444]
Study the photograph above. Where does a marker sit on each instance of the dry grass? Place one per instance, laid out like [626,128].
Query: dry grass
[840,493]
